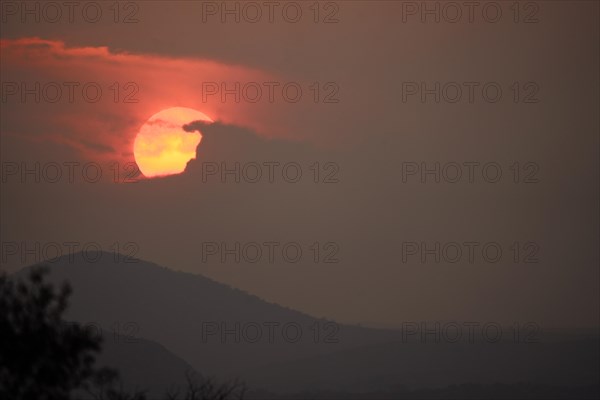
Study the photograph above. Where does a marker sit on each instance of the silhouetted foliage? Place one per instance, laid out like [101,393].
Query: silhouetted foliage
[43,357]
[200,388]
[106,385]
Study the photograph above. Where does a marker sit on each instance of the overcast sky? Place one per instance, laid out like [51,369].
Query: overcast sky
[365,122]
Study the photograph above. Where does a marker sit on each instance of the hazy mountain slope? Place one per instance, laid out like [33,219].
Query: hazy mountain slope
[142,365]
[173,308]
[144,300]
[372,368]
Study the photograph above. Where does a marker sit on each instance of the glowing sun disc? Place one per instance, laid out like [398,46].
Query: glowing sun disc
[162,147]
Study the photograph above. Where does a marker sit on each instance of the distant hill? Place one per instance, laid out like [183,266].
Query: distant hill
[418,366]
[172,307]
[142,365]
[144,303]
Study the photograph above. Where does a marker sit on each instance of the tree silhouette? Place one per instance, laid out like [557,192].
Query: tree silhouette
[43,357]
[199,388]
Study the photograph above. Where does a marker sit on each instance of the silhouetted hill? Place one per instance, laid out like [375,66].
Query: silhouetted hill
[214,328]
[142,365]
[173,308]
[516,391]
[417,366]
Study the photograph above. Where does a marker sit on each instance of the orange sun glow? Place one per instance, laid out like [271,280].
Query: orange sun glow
[162,147]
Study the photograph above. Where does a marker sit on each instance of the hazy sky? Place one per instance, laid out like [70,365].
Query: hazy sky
[368,116]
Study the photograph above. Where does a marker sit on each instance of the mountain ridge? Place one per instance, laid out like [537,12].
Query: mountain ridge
[212,326]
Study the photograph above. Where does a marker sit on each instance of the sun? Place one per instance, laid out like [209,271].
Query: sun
[162,147]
